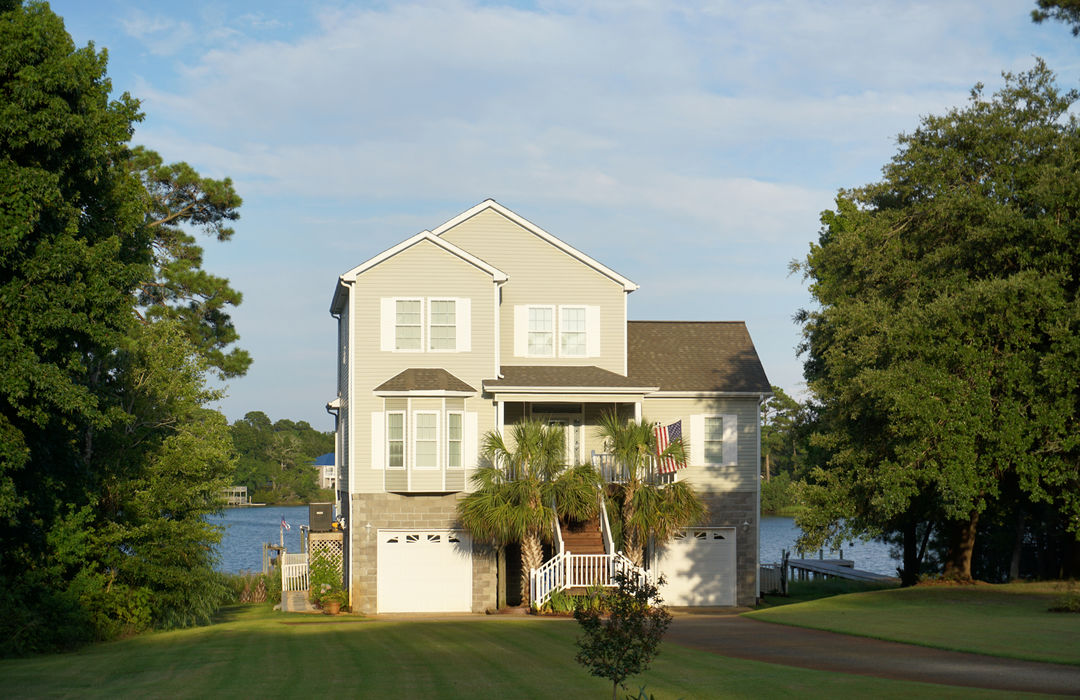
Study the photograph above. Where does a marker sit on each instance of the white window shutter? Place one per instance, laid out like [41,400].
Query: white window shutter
[731,440]
[697,439]
[463,307]
[378,440]
[388,323]
[521,331]
[469,440]
[592,331]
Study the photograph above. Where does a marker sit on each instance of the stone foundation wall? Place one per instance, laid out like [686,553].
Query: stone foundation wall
[403,512]
[738,509]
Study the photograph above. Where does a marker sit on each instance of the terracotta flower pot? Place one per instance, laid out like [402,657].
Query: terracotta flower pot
[332,607]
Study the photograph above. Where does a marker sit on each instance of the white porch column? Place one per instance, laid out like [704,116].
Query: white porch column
[500,415]
[637,411]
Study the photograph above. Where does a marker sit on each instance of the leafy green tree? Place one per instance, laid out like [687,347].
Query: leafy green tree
[779,447]
[108,459]
[1067,11]
[71,255]
[275,458]
[525,487]
[646,508]
[160,476]
[625,641]
[943,353]
[177,197]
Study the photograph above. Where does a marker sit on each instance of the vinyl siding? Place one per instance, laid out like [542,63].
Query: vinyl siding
[423,270]
[541,274]
[741,477]
[343,396]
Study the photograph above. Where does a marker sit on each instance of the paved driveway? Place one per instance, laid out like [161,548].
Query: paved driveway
[745,638]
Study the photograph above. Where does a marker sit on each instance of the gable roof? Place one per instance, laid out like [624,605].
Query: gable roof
[491,204]
[423,379]
[694,356]
[496,274]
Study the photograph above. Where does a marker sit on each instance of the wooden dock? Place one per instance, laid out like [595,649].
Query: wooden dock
[802,569]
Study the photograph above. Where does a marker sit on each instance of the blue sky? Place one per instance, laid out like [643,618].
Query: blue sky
[689,146]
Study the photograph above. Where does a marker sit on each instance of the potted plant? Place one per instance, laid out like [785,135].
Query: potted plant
[331,601]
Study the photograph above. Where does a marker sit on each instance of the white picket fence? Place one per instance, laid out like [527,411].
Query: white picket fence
[294,572]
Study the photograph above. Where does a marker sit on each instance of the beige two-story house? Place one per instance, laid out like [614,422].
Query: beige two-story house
[489,319]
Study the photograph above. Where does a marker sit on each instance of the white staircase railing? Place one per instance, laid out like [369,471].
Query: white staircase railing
[568,570]
[294,571]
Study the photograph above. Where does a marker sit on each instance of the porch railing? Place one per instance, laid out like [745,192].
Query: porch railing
[294,571]
[568,570]
[614,473]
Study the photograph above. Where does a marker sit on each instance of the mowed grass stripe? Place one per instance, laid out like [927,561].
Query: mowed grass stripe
[1009,620]
[260,653]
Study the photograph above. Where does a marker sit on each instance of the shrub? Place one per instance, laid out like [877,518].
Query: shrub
[1069,601]
[625,643]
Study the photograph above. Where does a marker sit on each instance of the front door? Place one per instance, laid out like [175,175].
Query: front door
[572,431]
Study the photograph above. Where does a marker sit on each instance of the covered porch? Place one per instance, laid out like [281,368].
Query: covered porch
[575,398]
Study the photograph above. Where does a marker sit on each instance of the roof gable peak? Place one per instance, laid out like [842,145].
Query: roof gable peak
[496,274]
[529,226]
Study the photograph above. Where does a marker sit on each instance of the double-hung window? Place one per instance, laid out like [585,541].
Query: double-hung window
[572,331]
[426,440]
[556,330]
[541,331]
[453,440]
[443,324]
[425,324]
[408,325]
[395,439]
[714,439]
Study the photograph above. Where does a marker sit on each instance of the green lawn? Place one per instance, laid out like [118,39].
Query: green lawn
[258,653]
[1009,620]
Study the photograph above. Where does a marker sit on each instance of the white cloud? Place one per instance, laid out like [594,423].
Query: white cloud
[719,129]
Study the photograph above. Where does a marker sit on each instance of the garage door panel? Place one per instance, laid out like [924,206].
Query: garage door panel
[424,571]
[699,567]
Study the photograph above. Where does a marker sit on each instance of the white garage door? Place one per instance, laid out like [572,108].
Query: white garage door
[424,571]
[699,566]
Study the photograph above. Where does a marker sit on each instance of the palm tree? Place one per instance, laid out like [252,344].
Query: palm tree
[646,507]
[513,496]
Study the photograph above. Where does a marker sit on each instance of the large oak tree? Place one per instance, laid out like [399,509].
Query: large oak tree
[944,347]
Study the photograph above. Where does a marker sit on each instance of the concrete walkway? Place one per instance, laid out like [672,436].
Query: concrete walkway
[745,638]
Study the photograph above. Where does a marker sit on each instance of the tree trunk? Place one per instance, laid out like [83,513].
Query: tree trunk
[909,576]
[961,548]
[767,468]
[632,546]
[532,557]
[1018,546]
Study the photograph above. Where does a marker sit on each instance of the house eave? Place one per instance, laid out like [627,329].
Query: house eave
[636,390]
[709,394]
[437,393]
[496,274]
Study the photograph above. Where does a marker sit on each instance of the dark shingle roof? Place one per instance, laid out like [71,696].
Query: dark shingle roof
[424,379]
[547,376]
[694,356]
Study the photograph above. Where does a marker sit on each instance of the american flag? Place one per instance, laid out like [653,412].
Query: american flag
[664,437]
[285,525]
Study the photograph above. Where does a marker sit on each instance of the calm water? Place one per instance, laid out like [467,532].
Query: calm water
[779,533]
[247,528]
